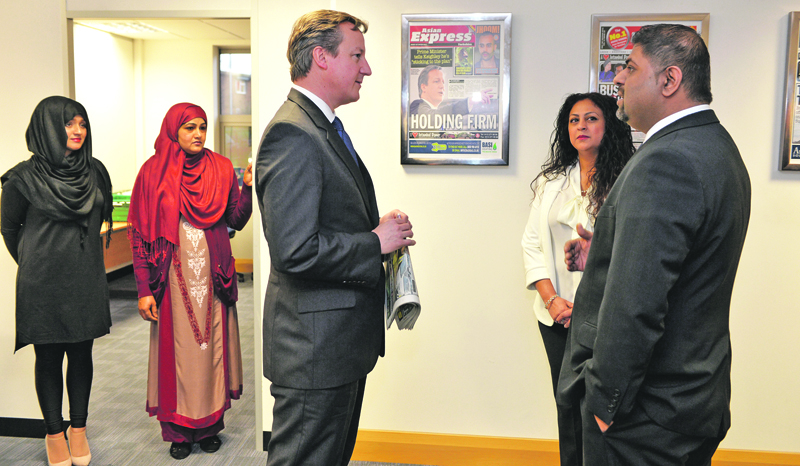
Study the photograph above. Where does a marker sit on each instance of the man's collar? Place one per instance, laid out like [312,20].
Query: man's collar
[673,118]
[326,110]
[431,105]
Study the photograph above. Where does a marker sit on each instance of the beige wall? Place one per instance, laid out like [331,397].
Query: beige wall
[105,88]
[475,363]
[35,67]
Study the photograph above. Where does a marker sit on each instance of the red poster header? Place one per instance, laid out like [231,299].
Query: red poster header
[427,36]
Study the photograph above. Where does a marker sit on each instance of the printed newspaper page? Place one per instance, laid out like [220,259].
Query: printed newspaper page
[454,88]
[402,299]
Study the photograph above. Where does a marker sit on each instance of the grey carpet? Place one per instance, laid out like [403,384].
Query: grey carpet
[120,431]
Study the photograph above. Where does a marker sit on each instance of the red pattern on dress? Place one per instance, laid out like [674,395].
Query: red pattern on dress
[201,339]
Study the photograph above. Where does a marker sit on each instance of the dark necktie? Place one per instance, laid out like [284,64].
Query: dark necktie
[337,123]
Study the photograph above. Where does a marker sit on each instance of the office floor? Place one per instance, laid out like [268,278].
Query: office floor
[120,431]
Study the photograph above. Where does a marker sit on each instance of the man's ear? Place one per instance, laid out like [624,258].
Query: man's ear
[320,57]
[673,76]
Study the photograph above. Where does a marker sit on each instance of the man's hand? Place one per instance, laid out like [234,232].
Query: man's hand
[576,250]
[148,309]
[394,232]
[484,96]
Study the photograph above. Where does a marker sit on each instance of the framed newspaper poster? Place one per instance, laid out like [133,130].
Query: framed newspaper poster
[611,45]
[790,136]
[455,89]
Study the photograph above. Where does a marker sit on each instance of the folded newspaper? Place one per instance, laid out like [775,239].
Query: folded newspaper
[402,299]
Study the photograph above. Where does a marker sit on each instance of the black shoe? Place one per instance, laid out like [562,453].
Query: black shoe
[180,451]
[210,444]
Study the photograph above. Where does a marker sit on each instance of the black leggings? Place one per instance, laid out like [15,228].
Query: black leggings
[50,386]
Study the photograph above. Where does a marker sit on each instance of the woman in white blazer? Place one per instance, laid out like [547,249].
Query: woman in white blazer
[588,149]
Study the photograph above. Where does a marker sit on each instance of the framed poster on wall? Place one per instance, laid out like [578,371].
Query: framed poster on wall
[790,135]
[611,45]
[455,89]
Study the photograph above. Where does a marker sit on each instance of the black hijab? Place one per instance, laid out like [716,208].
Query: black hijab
[64,187]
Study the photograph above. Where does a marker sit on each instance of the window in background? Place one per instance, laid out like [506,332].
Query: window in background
[234,122]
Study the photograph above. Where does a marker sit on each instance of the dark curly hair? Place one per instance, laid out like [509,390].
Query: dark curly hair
[616,149]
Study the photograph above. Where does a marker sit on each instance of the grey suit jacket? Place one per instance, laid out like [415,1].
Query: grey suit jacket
[650,319]
[323,323]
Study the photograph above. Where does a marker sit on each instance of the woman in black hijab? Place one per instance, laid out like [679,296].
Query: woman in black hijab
[52,208]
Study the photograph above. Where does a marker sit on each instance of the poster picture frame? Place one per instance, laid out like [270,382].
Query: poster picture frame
[789,159]
[456,81]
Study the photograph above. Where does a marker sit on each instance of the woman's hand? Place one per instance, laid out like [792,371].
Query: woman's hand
[247,177]
[561,311]
[148,309]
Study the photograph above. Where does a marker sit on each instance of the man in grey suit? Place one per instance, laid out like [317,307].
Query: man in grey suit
[323,324]
[649,353]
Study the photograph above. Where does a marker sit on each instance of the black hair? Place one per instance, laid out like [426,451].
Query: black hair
[668,45]
[616,148]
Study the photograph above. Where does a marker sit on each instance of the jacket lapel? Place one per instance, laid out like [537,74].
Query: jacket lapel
[337,144]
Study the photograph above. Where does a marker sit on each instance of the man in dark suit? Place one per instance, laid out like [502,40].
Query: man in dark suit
[649,353]
[430,84]
[323,324]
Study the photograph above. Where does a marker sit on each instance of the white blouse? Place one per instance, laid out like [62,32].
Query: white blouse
[556,211]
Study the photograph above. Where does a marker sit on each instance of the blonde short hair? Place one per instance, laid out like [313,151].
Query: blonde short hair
[317,29]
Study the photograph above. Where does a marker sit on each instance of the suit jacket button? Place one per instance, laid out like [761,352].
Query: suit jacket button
[617,393]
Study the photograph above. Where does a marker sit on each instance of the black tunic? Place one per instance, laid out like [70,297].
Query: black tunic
[62,293]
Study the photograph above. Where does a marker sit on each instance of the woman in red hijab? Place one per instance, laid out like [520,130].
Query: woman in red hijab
[184,199]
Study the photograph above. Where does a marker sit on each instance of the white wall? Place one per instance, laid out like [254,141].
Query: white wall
[475,363]
[105,87]
[25,81]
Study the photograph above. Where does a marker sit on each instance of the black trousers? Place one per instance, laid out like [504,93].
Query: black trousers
[315,427]
[49,380]
[635,440]
[569,417]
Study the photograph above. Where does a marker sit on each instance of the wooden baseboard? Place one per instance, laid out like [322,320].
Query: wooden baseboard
[468,450]
[244,265]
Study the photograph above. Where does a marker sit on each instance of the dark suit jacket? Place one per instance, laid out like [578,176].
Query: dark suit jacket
[650,320]
[323,324]
[447,107]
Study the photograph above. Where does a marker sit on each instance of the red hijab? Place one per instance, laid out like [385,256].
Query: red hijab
[173,183]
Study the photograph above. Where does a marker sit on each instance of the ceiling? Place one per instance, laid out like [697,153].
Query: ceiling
[173,29]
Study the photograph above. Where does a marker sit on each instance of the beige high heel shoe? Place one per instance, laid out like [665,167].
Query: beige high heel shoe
[78,443]
[54,441]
